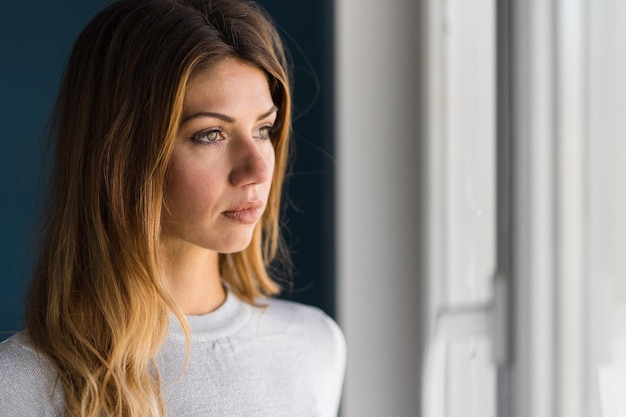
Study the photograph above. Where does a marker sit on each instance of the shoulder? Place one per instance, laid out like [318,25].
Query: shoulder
[313,343]
[20,361]
[302,319]
[311,331]
[28,385]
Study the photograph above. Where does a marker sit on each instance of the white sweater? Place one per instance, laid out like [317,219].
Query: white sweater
[284,360]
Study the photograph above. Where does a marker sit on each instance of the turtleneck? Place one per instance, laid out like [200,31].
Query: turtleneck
[222,322]
[282,360]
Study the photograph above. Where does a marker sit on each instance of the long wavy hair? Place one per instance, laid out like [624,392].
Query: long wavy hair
[97,307]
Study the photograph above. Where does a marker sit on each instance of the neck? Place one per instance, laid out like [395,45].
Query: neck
[193,278]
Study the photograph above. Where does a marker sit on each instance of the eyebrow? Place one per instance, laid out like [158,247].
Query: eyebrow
[225,117]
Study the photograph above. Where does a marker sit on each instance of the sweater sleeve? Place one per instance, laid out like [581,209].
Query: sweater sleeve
[336,365]
[27,382]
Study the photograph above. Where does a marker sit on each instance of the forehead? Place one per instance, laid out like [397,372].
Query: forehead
[227,81]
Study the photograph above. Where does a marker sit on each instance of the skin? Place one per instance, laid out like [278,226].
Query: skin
[219,179]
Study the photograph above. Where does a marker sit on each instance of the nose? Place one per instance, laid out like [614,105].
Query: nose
[253,162]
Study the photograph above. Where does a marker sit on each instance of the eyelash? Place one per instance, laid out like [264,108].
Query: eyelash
[202,137]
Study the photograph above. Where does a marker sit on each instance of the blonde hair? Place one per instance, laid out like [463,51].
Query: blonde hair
[97,308]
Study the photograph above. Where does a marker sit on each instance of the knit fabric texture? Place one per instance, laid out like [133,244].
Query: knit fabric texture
[281,359]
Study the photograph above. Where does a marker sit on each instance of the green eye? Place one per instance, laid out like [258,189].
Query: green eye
[264,132]
[209,136]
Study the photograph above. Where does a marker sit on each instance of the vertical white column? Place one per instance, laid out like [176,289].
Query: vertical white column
[534,266]
[572,253]
[460,206]
[378,213]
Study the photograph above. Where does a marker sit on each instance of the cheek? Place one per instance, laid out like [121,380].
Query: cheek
[190,187]
[272,163]
[270,160]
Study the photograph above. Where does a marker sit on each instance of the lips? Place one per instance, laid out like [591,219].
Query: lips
[245,213]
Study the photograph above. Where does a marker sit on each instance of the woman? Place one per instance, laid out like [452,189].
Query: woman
[148,298]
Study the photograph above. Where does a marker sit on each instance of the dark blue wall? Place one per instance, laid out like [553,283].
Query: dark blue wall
[35,40]
[36,37]
[308,30]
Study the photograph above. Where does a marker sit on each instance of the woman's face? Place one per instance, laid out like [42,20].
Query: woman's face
[222,163]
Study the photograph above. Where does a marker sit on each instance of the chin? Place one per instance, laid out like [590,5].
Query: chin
[234,245]
[231,251]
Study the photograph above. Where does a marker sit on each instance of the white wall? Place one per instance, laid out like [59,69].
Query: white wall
[378,217]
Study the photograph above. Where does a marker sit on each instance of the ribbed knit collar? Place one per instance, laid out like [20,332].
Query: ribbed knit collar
[226,320]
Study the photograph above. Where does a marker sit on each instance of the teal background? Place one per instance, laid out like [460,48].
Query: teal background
[35,41]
